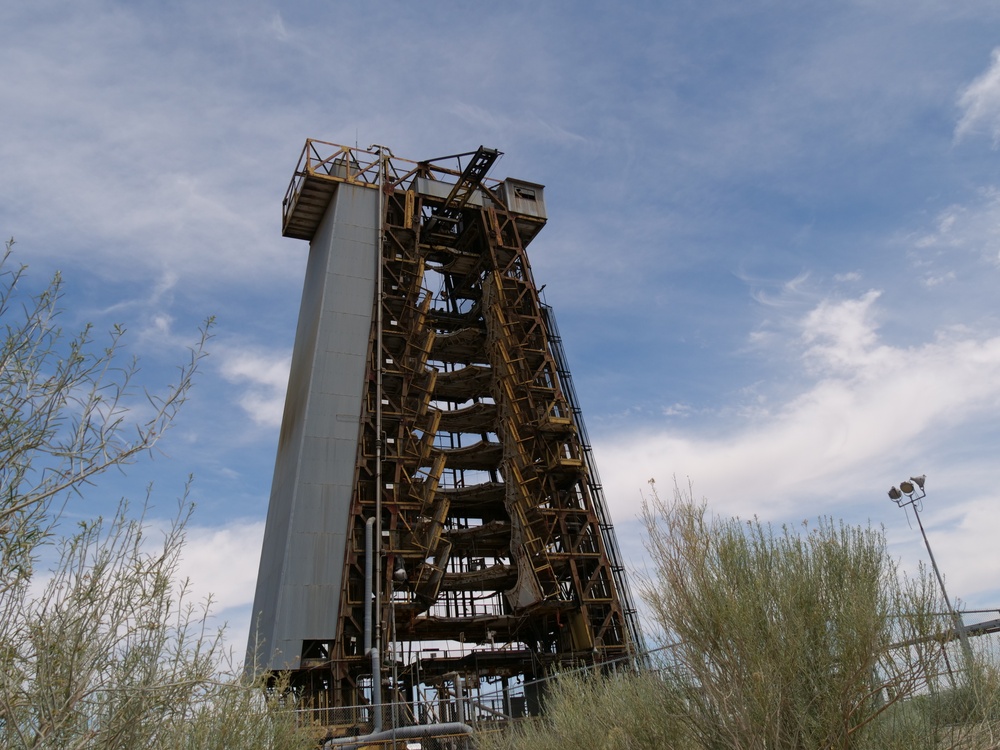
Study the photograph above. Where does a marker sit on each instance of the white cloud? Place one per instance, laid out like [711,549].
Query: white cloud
[932,281]
[973,228]
[222,562]
[504,125]
[277,26]
[841,334]
[973,527]
[863,409]
[848,277]
[219,564]
[216,564]
[676,410]
[264,378]
[980,104]
[149,141]
[791,292]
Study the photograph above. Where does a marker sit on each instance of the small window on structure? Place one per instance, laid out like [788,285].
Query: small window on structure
[525,193]
[315,650]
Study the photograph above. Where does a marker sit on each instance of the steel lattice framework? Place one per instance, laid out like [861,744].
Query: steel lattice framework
[494,556]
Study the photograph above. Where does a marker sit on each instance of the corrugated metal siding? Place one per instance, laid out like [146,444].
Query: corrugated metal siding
[299,583]
[527,198]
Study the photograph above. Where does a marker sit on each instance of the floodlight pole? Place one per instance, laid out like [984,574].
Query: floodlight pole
[910,490]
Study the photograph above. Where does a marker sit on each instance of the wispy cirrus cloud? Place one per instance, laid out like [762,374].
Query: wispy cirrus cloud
[969,229]
[980,105]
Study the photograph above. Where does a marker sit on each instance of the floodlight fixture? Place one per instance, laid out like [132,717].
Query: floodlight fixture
[909,492]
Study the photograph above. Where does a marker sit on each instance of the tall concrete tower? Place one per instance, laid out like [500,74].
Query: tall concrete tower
[435,511]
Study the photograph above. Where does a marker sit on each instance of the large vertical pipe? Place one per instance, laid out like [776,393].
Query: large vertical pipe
[460,697]
[379,366]
[376,691]
[369,555]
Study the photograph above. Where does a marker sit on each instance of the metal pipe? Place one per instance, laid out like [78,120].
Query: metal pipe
[456,678]
[402,733]
[460,697]
[956,618]
[379,366]
[376,691]
[369,554]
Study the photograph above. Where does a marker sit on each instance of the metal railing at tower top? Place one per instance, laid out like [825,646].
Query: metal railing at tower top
[358,166]
[596,489]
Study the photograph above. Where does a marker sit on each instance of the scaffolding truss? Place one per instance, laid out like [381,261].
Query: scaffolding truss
[497,557]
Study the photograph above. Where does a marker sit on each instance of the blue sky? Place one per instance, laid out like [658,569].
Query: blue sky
[773,246]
